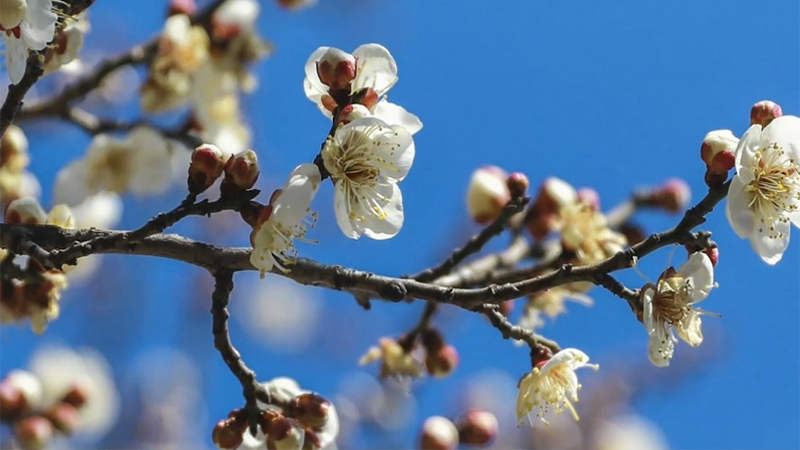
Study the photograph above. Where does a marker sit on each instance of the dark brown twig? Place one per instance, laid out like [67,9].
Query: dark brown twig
[16,92]
[511,331]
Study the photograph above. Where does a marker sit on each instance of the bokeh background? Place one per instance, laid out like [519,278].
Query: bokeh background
[612,95]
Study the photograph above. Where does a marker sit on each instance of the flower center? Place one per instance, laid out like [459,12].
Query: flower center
[673,298]
[354,160]
[775,187]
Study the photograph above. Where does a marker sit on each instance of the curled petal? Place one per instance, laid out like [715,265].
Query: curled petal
[376,68]
[396,114]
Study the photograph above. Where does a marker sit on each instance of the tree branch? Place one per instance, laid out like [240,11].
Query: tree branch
[16,92]
[511,331]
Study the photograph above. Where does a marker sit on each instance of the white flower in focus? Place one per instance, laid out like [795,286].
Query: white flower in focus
[366,159]
[670,304]
[764,195]
[552,384]
[33,32]
[395,361]
[283,220]
[376,69]
[60,369]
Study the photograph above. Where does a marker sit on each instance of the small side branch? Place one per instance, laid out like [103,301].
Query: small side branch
[511,331]
[16,92]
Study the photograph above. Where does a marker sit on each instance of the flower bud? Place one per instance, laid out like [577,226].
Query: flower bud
[352,112]
[764,112]
[61,216]
[285,434]
[712,252]
[438,433]
[554,194]
[310,409]
[12,402]
[478,427]
[336,69]
[540,355]
[506,307]
[14,150]
[207,164]
[241,173]
[25,385]
[589,196]
[517,184]
[63,417]
[295,4]
[76,396]
[367,97]
[442,362]
[25,210]
[11,13]
[187,7]
[33,433]
[488,193]
[718,150]
[672,196]
[226,436]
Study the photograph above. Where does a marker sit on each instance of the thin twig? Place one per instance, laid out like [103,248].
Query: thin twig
[16,92]
[511,331]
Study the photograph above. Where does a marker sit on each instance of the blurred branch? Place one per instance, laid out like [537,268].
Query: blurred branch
[94,125]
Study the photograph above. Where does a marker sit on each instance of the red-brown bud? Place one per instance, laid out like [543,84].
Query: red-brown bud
[712,252]
[76,396]
[207,164]
[337,69]
[517,184]
[226,435]
[554,194]
[672,196]
[718,151]
[12,402]
[33,433]
[438,433]
[764,112]
[241,173]
[352,112]
[442,362]
[367,97]
[187,7]
[64,417]
[478,427]
[25,210]
[310,409]
[540,355]
[432,340]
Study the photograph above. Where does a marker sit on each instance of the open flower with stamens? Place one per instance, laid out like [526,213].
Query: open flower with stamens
[552,384]
[375,73]
[366,159]
[764,195]
[283,220]
[670,304]
[396,361]
[32,32]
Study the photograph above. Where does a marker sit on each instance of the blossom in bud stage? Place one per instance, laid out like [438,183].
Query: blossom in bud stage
[187,7]
[395,360]
[487,194]
[517,184]
[367,159]
[442,362]
[554,194]
[672,196]
[352,112]
[32,32]
[552,384]
[764,195]
[207,164]
[14,150]
[226,435]
[670,304]
[76,396]
[61,216]
[311,410]
[25,210]
[764,112]
[33,433]
[375,74]
[438,433]
[478,427]
[20,391]
[241,173]
[11,13]
[718,150]
[283,220]
[285,434]
[64,417]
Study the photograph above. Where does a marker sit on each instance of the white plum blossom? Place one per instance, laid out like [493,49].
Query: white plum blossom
[33,32]
[764,195]
[670,304]
[376,69]
[283,220]
[553,384]
[366,159]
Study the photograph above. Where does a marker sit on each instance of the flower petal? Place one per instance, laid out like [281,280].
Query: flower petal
[376,68]
[741,217]
[397,149]
[784,130]
[690,331]
[39,25]
[745,152]
[388,224]
[700,272]
[342,210]
[312,84]
[16,58]
[396,115]
[768,248]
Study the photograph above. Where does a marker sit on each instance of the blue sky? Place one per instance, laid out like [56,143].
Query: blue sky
[612,95]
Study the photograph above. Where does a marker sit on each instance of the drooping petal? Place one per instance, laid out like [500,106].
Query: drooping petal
[699,271]
[396,115]
[784,130]
[745,152]
[647,308]
[741,217]
[16,58]
[659,350]
[690,331]
[39,25]
[376,68]
[771,249]
[386,224]
[342,210]
[296,196]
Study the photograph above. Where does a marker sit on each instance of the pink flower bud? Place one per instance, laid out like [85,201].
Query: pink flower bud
[25,210]
[63,417]
[33,433]
[187,7]
[27,385]
[517,184]
[226,436]
[241,173]
[310,409]
[442,362]
[285,434]
[207,164]
[672,196]
[438,433]
[12,402]
[487,194]
[352,112]
[763,112]
[718,150]
[478,427]
[589,196]
[336,69]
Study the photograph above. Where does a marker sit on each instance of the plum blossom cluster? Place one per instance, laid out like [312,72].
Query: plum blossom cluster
[307,421]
